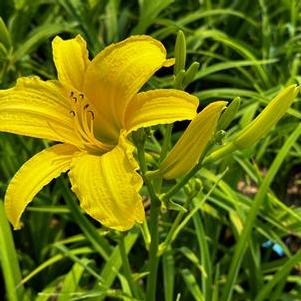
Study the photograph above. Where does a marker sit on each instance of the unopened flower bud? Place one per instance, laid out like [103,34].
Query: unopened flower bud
[189,148]
[180,52]
[263,123]
[229,114]
[190,73]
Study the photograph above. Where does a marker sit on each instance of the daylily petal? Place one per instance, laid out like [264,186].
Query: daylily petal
[38,109]
[189,148]
[159,107]
[71,60]
[107,186]
[33,176]
[116,74]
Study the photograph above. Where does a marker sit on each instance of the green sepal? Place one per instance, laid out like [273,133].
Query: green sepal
[190,74]
[229,114]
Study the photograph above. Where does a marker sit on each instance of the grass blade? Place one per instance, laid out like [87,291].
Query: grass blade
[280,275]
[205,257]
[192,285]
[168,274]
[249,223]
[9,260]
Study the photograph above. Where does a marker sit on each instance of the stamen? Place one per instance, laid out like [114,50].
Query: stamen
[92,114]
[82,133]
[83,122]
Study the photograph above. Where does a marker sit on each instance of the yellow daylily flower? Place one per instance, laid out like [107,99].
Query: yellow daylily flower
[91,109]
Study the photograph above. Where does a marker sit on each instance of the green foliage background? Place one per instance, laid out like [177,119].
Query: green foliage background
[245,48]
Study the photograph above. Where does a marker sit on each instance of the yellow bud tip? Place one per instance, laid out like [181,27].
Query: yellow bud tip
[17,226]
[169,62]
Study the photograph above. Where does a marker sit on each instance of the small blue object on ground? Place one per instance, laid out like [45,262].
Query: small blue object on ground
[276,247]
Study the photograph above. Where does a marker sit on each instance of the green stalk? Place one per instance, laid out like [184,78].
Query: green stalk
[153,251]
[182,182]
[166,142]
[169,238]
[153,224]
[220,153]
[127,269]
[164,150]
[251,217]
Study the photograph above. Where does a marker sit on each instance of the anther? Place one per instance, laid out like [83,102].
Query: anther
[81,95]
[74,98]
[71,94]
[72,113]
[86,106]
[92,114]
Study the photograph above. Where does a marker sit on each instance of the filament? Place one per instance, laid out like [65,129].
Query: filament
[84,122]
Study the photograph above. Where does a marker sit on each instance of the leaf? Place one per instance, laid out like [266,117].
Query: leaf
[5,38]
[9,260]
[38,36]
[149,11]
[71,280]
[192,285]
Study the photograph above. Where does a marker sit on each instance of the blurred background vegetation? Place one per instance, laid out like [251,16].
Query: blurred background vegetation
[247,48]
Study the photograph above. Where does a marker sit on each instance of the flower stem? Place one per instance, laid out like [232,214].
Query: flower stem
[169,238]
[153,253]
[166,142]
[153,260]
[157,183]
[127,269]
[220,153]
